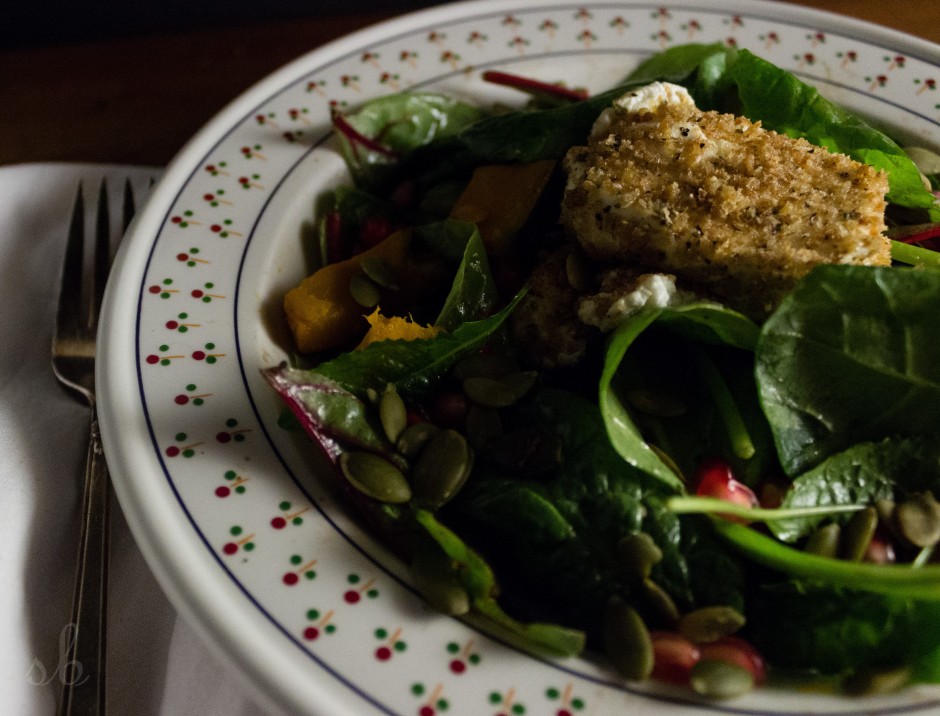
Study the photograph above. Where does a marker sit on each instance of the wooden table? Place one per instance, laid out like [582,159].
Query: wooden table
[138,100]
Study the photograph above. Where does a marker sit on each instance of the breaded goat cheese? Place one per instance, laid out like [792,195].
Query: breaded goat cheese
[736,211]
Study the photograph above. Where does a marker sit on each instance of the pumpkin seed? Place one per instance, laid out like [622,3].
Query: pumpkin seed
[442,468]
[876,682]
[489,392]
[927,161]
[375,476]
[661,601]
[379,271]
[708,624]
[825,541]
[857,534]
[413,438]
[578,272]
[639,553]
[364,291]
[484,365]
[627,641]
[885,508]
[437,581]
[392,413]
[499,392]
[483,426]
[656,403]
[720,679]
[918,519]
[520,382]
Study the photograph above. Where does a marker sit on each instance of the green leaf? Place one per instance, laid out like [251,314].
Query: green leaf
[326,409]
[893,579]
[504,501]
[521,136]
[413,366]
[403,122]
[785,104]
[553,537]
[685,438]
[473,294]
[624,434]
[851,355]
[740,82]
[477,578]
[702,69]
[804,626]
[713,324]
[861,475]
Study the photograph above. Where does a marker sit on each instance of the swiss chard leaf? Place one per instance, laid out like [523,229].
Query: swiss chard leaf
[851,355]
[403,122]
[326,410]
[859,476]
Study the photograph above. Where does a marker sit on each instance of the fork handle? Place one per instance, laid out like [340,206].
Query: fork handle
[83,674]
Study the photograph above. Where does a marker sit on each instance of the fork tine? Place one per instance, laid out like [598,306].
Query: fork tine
[69,312]
[102,254]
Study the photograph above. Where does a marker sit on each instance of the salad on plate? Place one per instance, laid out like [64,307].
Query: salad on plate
[652,373]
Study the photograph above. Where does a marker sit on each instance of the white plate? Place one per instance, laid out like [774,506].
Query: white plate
[227,507]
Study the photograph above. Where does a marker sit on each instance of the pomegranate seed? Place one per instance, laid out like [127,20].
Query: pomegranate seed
[880,549]
[714,478]
[374,230]
[333,230]
[404,194]
[449,410]
[735,650]
[772,494]
[673,657]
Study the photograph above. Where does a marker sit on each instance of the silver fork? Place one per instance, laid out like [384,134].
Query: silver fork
[73,360]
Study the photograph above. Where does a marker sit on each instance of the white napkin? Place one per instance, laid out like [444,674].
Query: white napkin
[156,663]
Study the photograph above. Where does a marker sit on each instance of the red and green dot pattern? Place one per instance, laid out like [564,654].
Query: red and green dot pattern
[266,529]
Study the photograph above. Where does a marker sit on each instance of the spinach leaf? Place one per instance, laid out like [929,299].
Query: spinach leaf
[552,538]
[785,104]
[807,626]
[521,136]
[859,476]
[851,355]
[625,435]
[900,580]
[740,82]
[660,342]
[679,64]
[473,294]
[475,575]
[413,366]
